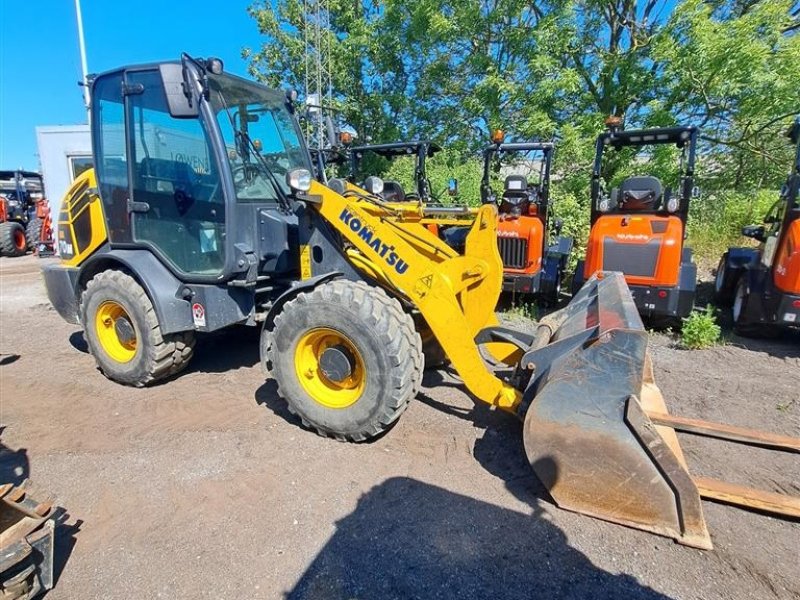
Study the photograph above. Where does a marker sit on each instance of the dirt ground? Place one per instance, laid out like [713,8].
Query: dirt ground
[205,486]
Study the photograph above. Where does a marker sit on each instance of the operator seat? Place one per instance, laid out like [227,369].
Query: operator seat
[393,191]
[517,196]
[640,194]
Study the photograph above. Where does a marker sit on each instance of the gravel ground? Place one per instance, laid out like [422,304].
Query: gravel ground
[205,486]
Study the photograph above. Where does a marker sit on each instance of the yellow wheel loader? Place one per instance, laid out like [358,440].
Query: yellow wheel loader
[203,213]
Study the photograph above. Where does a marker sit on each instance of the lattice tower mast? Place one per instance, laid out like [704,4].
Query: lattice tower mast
[318,72]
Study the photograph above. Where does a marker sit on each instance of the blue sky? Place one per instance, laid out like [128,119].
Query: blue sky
[40,60]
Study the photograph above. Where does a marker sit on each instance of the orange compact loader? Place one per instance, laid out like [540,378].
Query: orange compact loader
[763,284]
[639,228]
[533,263]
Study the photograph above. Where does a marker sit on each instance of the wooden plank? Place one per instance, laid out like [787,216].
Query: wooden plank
[730,433]
[740,495]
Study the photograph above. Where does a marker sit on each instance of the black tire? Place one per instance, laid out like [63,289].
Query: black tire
[742,324]
[156,356]
[724,283]
[387,343]
[553,295]
[33,232]
[12,239]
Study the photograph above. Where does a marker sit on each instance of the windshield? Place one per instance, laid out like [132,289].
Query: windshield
[262,140]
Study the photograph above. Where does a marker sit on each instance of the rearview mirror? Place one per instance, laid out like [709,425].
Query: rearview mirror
[756,232]
[452,187]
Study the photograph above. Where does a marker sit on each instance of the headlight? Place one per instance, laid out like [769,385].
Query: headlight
[374,185]
[214,65]
[299,179]
[672,205]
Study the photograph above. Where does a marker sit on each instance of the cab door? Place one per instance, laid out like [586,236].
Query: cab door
[176,205]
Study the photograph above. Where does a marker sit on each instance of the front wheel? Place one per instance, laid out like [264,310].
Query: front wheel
[12,239]
[123,333]
[346,359]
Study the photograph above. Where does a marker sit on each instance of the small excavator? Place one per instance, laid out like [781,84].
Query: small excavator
[221,222]
[763,284]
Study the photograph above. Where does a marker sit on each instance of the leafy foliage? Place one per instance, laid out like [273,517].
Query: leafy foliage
[700,330]
[452,70]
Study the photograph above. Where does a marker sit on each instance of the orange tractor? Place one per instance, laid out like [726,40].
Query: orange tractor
[763,284]
[25,222]
[533,261]
[639,228]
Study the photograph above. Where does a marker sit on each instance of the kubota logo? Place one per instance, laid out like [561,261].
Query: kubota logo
[633,237]
[387,253]
[501,233]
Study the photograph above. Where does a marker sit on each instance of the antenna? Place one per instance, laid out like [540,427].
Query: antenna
[82,46]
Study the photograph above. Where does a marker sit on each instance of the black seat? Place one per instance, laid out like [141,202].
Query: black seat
[393,192]
[640,193]
[516,195]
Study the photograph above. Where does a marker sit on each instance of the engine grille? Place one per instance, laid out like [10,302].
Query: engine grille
[632,259]
[514,252]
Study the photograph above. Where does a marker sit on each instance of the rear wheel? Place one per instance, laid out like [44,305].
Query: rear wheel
[724,283]
[12,239]
[33,232]
[346,359]
[123,333]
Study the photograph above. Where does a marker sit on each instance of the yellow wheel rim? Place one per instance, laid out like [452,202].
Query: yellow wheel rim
[323,389]
[105,323]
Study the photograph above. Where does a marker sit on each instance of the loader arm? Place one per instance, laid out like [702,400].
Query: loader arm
[455,294]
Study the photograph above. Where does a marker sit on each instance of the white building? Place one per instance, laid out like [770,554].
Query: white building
[65,151]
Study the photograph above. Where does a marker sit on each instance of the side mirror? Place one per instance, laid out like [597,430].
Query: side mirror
[452,187]
[756,232]
[178,104]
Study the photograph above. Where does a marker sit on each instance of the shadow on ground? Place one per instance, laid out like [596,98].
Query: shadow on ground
[408,539]
[231,348]
[14,464]
[218,352]
[500,450]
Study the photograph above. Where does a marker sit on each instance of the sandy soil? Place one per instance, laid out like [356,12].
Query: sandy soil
[205,487]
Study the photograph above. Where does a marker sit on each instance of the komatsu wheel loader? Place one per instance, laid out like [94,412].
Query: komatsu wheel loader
[203,213]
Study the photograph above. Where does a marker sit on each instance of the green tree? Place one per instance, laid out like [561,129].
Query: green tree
[731,68]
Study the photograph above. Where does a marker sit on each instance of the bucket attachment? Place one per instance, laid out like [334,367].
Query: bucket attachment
[597,431]
[586,432]
[27,527]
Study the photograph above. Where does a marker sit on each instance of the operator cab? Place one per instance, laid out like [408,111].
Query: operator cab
[199,183]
